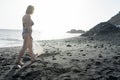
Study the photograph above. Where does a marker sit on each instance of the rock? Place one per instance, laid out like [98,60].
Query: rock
[64,58]
[106,60]
[75,45]
[116,57]
[4,64]
[88,66]
[100,56]
[84,55]
[67,41]
[53,58]
[118,53]
[97,63]
[91,38]
[2,58]
[68,53]
[115,62]
[19,79]
[102,45]
[115,19]
[112,78]
[46,52]
[64,77]
[87,45]
[92,79]
[33,66]
[73,60]
[31,75]
[75,70]
[105,48]
[95,46]
[26,58]
[75,31]
[69,45]
[43,78]
[81,50]
[92,60]
[102,28]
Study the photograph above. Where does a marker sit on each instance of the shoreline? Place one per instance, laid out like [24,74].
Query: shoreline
[41,41]
[6,40]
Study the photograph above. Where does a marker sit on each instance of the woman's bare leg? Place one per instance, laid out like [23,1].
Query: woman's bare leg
[20,55]
[32,55]
[22,51]
[31,50]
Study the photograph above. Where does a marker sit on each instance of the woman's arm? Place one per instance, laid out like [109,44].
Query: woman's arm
[27,23]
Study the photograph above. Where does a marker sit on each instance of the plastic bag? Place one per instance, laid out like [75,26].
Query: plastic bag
[37,49]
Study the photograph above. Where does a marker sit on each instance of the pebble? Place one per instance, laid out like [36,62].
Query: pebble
[68,53]
[53,58]
[75,69]
[100,56]
[81,50]
[69,45]
[97,63]
[84,55]
[73,60]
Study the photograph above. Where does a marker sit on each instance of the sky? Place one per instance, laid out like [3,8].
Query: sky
[56,16]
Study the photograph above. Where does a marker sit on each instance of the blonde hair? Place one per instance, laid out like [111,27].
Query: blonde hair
[30,9]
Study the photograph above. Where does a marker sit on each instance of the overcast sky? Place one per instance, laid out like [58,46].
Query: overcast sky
[58,15]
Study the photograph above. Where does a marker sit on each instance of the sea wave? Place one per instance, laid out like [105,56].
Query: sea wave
[10,39]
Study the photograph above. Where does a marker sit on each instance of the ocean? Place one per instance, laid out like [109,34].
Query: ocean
[12,38]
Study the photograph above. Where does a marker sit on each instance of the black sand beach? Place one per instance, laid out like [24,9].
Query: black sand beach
[78,58]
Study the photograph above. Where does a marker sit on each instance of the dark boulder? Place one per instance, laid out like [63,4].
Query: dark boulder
[102,29]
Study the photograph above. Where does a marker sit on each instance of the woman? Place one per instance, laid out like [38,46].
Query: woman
[27,35]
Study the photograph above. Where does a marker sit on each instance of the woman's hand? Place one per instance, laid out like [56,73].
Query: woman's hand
[31,38]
